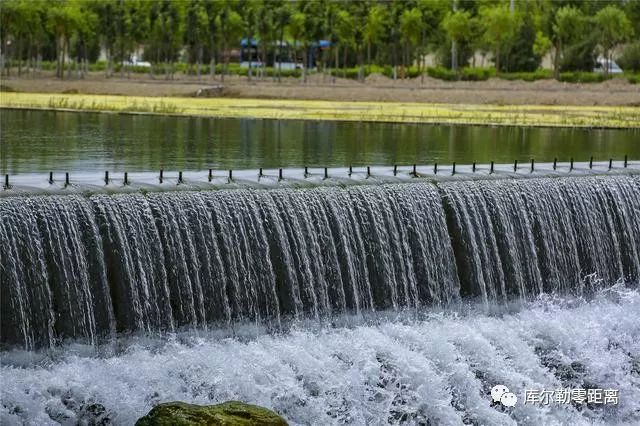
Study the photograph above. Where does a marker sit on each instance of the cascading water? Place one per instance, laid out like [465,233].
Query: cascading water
[543,235]
[84,267]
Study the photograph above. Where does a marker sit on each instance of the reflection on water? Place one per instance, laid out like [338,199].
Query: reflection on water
[40,141]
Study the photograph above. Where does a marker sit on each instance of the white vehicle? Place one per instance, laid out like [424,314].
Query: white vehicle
[136,63]
[611,66]
[289,65]
[254,64]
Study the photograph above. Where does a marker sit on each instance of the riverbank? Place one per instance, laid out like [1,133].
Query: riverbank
[398,112]
[376,88]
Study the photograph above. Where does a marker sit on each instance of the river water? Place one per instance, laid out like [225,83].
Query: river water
[40,142]
[398,368]
[347,299]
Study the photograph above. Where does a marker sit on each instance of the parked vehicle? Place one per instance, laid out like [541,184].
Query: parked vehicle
[254,64]
[136,63]
[289,65]
[611,66]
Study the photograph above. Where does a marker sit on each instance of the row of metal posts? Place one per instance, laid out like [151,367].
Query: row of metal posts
[326,171]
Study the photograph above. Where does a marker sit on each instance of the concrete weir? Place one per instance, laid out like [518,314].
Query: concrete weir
[297,177]
[92,259]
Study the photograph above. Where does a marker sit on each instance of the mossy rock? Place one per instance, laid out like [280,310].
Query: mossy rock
[231,413]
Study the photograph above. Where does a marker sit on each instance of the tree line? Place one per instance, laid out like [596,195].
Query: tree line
[513,35]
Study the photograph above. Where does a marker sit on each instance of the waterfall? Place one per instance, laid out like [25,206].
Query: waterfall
[519,236]
[85,267]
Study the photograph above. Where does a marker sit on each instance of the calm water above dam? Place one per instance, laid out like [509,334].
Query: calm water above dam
[40,141]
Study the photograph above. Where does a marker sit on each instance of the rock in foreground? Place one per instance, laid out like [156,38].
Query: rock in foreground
[231,413]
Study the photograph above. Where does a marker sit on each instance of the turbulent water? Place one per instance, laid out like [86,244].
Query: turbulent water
[87,267]
[436,370]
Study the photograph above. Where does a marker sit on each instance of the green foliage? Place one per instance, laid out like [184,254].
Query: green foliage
[411,26]
[345,28]
[542,44]
[582,77]
[376,33]
[521,55]
[458,25]
[569,24]
[500,28]
[579,56]
[613,27]
[375,24]
[465,74]
[629,60]
[477,74]
[442,73]
[540,74]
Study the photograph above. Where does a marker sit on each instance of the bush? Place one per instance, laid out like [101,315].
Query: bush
[581,77]
[98,66]
[466,74]
[464,52]
[387,71]
[520,57]
[377,69]
[541,74]
[630,58]
[351,73]
[442,73]
[633,78]
[579,56]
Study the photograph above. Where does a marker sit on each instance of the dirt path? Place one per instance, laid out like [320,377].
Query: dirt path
[377,88]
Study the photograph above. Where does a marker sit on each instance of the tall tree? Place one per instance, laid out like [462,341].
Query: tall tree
[500,27]
[311,18]
[613,28]
[345,35]
[458,27]
[249,23]
[410,30]
[374,28]
[195,33]
[84,35]
[166,33]
[568,22]
[63,19]
[231,26]
[296,28]
[21,22]
[264,29]
[105,11]
[213,10]
[281,16]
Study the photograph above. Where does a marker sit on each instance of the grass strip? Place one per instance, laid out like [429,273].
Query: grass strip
[395,112]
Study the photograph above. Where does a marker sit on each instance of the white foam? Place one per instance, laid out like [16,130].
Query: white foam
[440,368]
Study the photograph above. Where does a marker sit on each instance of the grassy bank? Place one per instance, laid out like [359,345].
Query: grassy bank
[398,112]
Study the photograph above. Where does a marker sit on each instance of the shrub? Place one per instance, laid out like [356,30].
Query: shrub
[442,73]
[579,56]
[633,78]
[541,74]
[466,74]
[630,58]
[351,73]
[581,77]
